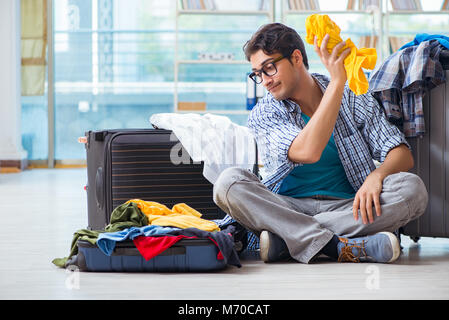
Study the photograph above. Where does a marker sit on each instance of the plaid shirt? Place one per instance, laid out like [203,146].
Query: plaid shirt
[362,133]
[402,80]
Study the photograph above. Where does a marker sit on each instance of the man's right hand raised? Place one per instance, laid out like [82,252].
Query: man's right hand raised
[334,61]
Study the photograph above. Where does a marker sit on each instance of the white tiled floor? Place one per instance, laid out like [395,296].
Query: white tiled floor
[40,210]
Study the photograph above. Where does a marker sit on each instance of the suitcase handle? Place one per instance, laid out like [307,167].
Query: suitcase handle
[135,252]
[99,187]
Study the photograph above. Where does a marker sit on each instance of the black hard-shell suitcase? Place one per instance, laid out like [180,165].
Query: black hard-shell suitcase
[129,164]
[431,154]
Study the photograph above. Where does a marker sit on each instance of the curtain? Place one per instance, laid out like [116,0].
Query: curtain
[34,46]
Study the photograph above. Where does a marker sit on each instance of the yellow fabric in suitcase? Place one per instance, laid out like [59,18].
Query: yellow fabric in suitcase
[180,216]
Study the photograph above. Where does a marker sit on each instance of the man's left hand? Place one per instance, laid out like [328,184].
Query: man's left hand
[368,194]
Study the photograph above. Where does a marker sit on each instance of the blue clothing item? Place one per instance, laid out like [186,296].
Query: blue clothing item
[420,37]
[106,241]
[224,222]
[325,177]
[362,133]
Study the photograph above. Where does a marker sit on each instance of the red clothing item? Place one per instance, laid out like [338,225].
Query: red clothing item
[219,255]
[150,247]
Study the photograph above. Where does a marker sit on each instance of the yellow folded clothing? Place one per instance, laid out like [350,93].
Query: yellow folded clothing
[320,25]
[180,216]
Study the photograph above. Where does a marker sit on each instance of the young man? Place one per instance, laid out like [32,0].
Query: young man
[322,193]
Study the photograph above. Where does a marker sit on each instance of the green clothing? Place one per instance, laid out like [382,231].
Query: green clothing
[124,216]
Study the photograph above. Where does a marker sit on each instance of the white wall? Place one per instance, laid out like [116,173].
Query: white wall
[10,58]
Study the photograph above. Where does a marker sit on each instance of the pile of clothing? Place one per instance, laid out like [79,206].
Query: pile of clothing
[153,228]
[403,79]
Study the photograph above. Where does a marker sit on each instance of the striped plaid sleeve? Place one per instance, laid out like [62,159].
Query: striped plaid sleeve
[274,134]
[380,135]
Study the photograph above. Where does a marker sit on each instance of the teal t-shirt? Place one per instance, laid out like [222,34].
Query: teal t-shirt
[325,177]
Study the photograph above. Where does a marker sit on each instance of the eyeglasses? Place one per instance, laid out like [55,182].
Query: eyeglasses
[269,69]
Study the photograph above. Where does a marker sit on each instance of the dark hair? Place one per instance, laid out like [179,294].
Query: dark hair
[276,37]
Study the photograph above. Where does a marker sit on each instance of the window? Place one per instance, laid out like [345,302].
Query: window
[114,62]
[113,69]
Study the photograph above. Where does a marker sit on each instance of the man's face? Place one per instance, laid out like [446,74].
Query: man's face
[280,85]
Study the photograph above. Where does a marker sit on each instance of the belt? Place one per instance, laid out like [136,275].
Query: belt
[324,197]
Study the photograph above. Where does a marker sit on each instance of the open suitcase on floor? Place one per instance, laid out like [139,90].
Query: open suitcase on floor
[129,164]
[431,154]
[198,255]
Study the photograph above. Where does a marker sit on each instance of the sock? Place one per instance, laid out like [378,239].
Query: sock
[330,249]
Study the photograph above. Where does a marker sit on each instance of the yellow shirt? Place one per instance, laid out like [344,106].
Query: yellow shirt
[180,216]
[320,25]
